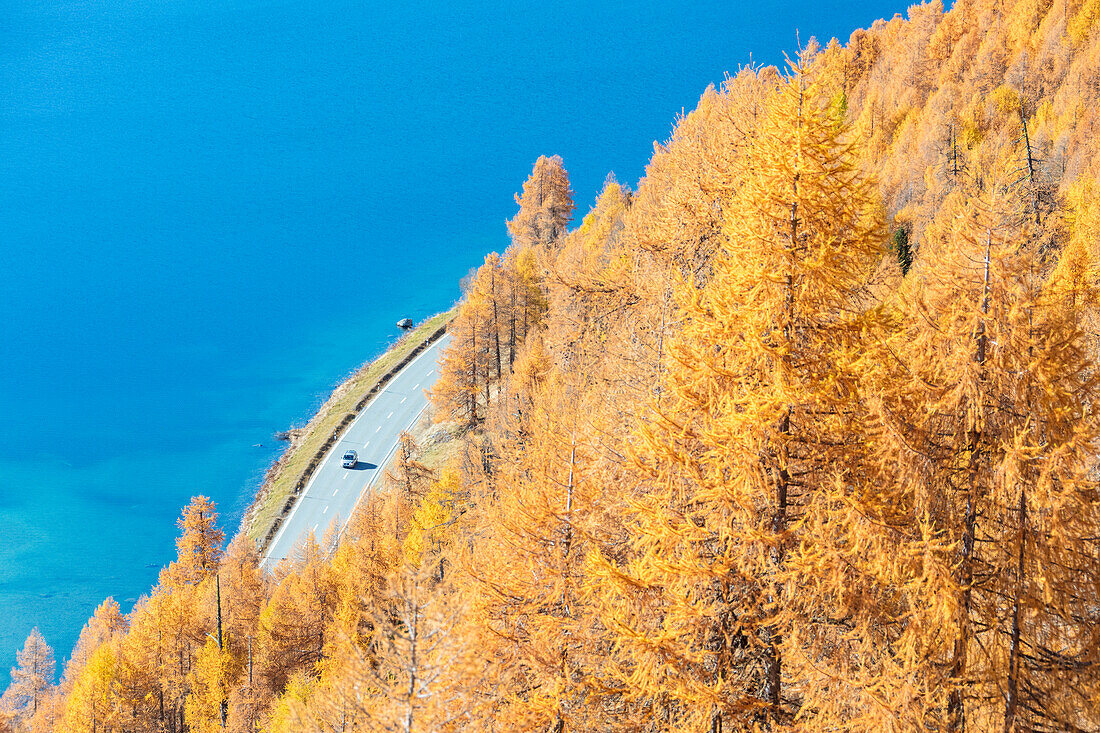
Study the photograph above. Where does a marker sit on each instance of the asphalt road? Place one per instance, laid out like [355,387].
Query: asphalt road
[334,491]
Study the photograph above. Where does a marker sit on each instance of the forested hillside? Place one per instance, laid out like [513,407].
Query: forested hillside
[801,434]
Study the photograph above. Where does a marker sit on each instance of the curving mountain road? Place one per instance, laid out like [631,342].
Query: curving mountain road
[334,491]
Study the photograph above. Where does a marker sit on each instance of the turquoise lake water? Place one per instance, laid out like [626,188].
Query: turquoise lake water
[211,212]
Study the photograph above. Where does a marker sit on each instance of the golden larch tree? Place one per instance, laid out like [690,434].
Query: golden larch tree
[200,541]
[756,421]
[31,678]
[545,205]
[1004,425]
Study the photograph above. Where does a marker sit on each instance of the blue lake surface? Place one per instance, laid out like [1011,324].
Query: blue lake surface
[212,211]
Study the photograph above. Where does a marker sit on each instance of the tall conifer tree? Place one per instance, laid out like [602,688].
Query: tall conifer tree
[31,678]
[756,418]
[545,206]
[1003,424]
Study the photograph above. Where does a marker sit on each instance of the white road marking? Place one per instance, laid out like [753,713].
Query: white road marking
[416,385]
[315,528]
[403,399]
[325,510]
[385,461]
[337,491]
[366,444]
[344,476]
[389,416]
[378,428]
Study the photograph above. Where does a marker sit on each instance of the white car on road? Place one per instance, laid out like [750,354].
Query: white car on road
[351,459]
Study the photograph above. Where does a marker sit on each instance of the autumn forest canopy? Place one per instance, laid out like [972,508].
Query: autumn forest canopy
[800,434]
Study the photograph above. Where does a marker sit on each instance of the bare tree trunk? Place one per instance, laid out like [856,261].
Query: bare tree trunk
[569,502]
[956,713]
[1030,170]
[956,709]
[1013,684]
[496,319]
[773,661]
[473,372]
[487,373]
[773,639]
[414,624]
[512,328]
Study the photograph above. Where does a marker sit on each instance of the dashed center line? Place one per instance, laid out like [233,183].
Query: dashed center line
[366,444]
[404,398]
[378,428]
[389,416]
[344,476]
[416,385]
[325,510]
[315,528]
[337,491]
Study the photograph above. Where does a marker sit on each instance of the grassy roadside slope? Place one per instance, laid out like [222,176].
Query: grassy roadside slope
[281,480]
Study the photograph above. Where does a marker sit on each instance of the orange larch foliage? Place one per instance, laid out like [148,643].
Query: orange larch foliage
[31,679]
[753,426]
[721,460]
[999,430]
[545,206]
